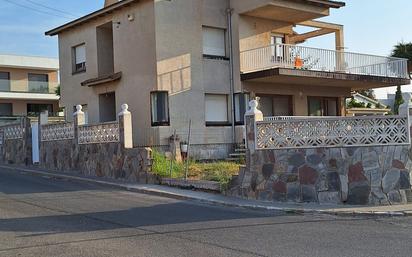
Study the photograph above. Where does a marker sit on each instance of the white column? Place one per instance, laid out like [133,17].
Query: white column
[125,127]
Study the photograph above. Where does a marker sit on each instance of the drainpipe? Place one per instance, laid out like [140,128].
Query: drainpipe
[229,12]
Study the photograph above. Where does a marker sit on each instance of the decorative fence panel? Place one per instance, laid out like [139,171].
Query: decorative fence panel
[309,132]
[96,134]
[57,131]
[15,131]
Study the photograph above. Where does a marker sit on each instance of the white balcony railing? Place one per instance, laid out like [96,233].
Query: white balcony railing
[316,59]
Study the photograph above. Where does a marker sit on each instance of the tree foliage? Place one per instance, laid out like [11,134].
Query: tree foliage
[398,100]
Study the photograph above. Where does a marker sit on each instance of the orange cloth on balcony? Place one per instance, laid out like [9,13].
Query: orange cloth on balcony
[298,63]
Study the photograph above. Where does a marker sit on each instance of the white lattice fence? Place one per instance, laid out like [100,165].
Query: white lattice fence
[57,131]
[331,132]
[15,131]
[102,133]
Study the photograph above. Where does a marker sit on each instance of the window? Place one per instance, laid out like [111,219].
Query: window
[38,83]
[323,106]
[241,106]
[36,109]
[214,42]
[6,109]
[79,58]
[216,110]
[4,81]
[276,105]
[159,101]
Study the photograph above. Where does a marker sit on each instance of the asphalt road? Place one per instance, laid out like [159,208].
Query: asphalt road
[42,216]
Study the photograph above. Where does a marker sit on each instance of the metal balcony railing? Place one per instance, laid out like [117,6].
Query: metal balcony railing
[317,59]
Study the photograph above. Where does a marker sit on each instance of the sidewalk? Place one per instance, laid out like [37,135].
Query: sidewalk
[217,199]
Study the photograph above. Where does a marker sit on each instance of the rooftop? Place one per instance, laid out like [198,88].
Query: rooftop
[29,62]
[125,3]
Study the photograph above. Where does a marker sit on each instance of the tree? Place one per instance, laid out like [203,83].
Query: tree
[403,50]
[398,100]
[57,90]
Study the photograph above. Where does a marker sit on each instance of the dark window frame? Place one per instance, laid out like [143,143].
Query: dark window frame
[11,109]
[242,119]
[36,113]
[8,79]
[160,123]
[216,57]
[291,101]
[323,100]
[38,74]
[219,123]
[75,68]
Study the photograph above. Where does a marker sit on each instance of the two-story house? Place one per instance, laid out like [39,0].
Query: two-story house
[198,62]
[28,85]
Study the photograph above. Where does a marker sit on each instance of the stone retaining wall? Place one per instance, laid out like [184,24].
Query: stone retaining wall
[16,149]
[364,175]
[109,160]
[376,175]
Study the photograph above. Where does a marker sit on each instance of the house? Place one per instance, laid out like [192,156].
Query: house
[28,85]
[361,105]
[194,63]
[390,99]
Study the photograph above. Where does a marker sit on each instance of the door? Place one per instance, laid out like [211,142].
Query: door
[323,106]
[275,105]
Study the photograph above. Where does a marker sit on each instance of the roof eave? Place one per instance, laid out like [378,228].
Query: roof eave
[90,16]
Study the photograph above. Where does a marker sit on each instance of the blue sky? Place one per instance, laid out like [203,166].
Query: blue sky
[371,26]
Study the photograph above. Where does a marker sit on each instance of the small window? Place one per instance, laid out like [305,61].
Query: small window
[79,58]
[160,108]
[216,110]
[214,42]
[38,83]
[4,81]
[241,106]
[6,109]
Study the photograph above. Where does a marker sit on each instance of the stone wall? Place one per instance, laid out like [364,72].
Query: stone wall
[109,160]
[15,148]
[364,175]
[378,175]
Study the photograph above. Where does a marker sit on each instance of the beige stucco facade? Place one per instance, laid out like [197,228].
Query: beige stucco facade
[19,94]
[158,46]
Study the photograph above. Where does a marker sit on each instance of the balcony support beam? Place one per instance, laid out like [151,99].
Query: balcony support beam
[334,28]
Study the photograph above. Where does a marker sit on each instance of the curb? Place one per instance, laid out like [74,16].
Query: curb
[155,192]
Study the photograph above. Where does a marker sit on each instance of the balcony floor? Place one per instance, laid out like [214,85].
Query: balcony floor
[321,78]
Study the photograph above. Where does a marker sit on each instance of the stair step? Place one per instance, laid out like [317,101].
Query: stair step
[241,150]
[232,159]
[237,155]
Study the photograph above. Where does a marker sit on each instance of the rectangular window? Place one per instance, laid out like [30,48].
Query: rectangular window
[214,42]
[4,81]
[159,101]
[79,58]
[6,109]
[38,83]
[241,106]
[276,105]
[216,110]
[36,109]
[323,106]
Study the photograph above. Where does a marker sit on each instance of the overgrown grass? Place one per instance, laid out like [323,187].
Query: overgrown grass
[219,171]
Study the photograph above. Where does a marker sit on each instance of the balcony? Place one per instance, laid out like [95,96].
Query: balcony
[31,90]
[284,63]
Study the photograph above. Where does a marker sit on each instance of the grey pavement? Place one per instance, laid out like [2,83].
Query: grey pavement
[218,199]
[49,216]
